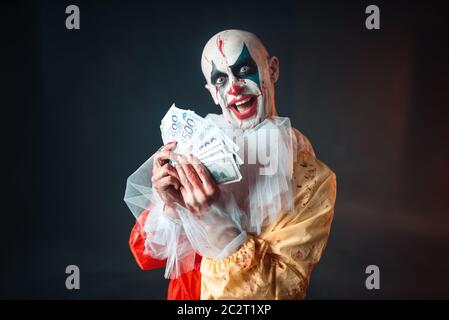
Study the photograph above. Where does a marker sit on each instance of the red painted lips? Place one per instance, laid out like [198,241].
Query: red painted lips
[244,107]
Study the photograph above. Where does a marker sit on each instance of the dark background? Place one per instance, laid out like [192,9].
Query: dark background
[81,111]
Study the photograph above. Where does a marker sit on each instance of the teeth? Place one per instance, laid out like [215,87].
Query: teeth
[242,101]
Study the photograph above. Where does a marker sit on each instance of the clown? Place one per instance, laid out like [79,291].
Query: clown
[258,238]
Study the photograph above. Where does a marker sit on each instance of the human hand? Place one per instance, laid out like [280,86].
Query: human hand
[198,188]
[165,179]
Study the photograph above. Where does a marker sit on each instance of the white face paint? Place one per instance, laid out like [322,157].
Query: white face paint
[236,67]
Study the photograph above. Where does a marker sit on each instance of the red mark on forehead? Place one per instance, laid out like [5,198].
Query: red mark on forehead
[220,46]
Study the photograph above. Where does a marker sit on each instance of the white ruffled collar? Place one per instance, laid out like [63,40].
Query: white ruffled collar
[263,197]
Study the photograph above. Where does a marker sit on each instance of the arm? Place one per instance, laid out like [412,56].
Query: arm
[157,236]
[277,264]
[216,232]
[211,218]
[137,245]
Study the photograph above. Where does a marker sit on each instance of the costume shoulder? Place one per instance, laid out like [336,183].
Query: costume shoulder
[302,142]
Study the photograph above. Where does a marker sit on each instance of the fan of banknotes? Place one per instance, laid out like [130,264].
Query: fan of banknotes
[202,138]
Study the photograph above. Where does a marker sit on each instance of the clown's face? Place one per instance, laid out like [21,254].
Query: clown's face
[240,78]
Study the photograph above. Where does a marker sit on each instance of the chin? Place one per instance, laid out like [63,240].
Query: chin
[249,123]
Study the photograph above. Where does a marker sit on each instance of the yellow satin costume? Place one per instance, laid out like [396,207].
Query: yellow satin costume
[277,264]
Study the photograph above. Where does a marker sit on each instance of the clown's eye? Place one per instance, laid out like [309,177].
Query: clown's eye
[244,70]
[220,80]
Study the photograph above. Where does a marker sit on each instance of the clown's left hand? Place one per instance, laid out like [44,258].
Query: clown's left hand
[198,188]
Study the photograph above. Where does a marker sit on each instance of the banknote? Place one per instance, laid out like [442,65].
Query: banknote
[223,169]
[204,139]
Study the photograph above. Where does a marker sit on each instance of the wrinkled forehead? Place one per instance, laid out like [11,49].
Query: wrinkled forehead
[224,49]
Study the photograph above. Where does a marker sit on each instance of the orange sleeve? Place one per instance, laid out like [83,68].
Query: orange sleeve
[186,287]
[137,246]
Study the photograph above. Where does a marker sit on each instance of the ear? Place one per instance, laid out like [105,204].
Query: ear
[273,65]
[212,92]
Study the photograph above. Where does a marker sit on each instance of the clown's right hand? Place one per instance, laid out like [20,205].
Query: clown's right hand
[165,179]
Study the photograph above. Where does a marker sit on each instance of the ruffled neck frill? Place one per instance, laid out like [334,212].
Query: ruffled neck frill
[268,152]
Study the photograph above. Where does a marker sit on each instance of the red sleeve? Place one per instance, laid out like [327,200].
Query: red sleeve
[137,246]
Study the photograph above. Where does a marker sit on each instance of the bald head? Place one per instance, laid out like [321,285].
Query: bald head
[240,76]
[229,44]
